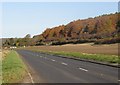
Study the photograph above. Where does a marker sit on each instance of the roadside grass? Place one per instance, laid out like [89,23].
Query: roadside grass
[96,57]
[4,53]
[113,59]
[13,69]
[0,67]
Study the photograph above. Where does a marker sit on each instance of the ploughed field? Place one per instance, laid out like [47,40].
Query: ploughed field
[111,49]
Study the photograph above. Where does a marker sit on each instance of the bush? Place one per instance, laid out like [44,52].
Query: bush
[108,41]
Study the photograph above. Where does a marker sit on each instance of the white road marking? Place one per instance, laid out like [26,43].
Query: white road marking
[118,80]
[41,56]
[64,63]
[83,69]
[30,77]
[52,59]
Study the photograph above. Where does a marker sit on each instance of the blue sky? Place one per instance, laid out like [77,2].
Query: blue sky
[21,18]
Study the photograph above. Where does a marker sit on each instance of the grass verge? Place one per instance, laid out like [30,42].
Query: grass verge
[113,59]
[13,69]
[96,57]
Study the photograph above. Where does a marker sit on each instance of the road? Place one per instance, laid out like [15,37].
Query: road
[53,69]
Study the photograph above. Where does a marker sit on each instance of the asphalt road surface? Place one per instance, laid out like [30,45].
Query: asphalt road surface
[53,69]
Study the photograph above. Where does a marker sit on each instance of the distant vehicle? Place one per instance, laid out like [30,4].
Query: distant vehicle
[13,47]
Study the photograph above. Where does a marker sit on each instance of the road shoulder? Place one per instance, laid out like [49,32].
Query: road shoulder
[32,76]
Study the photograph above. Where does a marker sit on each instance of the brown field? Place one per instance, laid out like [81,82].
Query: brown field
[82,48]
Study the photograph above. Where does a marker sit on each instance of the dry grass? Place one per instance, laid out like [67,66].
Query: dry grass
[4,53]
[0,55]
[82,48]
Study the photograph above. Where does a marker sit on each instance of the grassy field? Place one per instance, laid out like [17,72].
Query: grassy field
[102,53]
[13,69]
[82,48]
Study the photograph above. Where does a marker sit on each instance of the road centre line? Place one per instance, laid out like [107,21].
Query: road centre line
[83,69]
[41,56]
[64,63]
[52,59]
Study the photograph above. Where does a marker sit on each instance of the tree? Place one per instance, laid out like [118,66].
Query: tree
[12,41]
[7,43]
[28,36]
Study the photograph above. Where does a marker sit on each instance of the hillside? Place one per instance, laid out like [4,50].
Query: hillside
[101,27]
[99,30]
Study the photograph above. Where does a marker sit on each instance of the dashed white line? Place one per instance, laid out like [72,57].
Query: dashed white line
[52,59]
[64,63]
[41,56]
[118,80]
[83,69]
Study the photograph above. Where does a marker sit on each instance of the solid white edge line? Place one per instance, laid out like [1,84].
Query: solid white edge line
[83,69]
[64,63]
[30,77]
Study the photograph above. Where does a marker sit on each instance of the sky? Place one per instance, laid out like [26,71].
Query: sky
[21,18]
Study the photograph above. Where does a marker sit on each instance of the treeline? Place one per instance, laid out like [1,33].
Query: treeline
[26,41]
[103,29]
[20,42]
